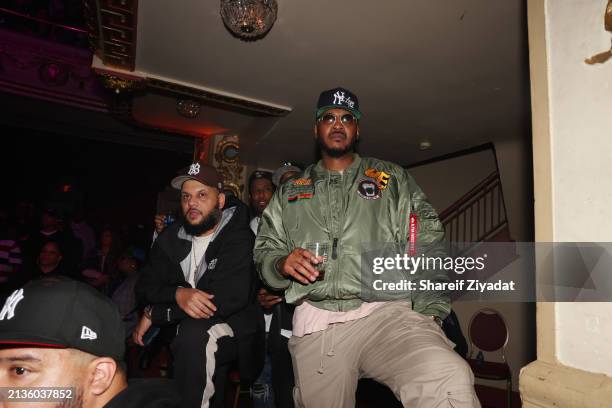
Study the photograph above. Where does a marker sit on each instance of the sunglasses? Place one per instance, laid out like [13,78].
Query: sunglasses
[330,119]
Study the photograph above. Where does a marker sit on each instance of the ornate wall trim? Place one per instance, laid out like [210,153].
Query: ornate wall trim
[45,70]
[213,97]
[227,159]
[112,27]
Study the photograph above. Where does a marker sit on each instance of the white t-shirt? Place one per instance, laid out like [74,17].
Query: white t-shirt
[198,249]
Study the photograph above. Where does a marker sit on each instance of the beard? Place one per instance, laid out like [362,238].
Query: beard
[336,152]
[209,221]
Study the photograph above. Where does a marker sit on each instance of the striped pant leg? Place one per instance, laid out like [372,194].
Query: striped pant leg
[198,348]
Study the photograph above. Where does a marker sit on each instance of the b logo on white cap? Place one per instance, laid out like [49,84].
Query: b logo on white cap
[194,169]
[8,311]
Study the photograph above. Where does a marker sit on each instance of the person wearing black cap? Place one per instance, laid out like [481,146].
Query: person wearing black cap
[261,189]
[274,386]
[57,332]
[339,204]
[200,277]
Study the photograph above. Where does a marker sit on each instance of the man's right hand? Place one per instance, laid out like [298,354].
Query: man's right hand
[195,303]
[299,265]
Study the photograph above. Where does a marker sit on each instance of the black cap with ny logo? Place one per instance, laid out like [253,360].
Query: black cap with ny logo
[62,313]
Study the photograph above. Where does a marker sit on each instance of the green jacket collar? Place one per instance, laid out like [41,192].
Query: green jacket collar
[320,172]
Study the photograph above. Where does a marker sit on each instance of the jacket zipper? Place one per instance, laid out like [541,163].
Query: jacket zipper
[335,249]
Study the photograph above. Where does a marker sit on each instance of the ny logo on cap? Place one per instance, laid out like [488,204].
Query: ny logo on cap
[88,334]
[8,310]
[339,99]
[194,169]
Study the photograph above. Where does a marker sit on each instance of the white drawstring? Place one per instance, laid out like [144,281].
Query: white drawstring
[320,370]
[331,349]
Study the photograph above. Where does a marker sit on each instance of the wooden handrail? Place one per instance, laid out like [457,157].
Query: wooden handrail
[473,192]
[477,216]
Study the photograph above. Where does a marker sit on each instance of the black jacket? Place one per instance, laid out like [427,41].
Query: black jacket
[230,276]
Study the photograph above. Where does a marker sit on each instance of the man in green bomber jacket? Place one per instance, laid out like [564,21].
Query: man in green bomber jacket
[340,335]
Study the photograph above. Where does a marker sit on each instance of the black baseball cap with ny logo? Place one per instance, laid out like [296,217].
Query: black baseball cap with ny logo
[60,312]
[340,98]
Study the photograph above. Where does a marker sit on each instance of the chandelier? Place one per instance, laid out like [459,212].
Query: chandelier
[249,19]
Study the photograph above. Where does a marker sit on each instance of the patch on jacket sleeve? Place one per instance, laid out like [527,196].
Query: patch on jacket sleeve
[300,189]
[381,177]
[302,182]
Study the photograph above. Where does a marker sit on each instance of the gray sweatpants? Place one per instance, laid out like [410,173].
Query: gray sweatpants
[395,346]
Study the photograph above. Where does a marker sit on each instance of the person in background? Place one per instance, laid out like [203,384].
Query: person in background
[50,262]
[287,171]
[260,193]
[100,270]
[124,296]
[83,231]
[52,229]
[274,387]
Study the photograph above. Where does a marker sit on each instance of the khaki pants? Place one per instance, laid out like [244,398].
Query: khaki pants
[394,345]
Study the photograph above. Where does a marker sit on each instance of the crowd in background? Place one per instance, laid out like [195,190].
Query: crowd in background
[53,241]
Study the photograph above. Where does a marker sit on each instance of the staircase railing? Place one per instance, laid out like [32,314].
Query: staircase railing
[477,216]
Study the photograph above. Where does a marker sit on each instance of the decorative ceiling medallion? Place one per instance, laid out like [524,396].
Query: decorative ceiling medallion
[249,19]
[188,108]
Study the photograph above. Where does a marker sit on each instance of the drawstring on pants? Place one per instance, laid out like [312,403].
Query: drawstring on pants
[331,348]
[330,353]
[320,370]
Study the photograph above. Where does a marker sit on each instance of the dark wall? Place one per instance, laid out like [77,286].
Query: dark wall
[117,184]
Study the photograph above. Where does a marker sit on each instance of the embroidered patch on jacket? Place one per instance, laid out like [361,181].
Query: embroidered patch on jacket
[296,197]
[300,191]
[381,177]
[368,189]
[302,182]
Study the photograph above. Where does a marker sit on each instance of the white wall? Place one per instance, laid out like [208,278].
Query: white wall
[580,98]
[446,181]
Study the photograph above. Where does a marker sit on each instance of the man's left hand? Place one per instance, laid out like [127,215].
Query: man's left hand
[143,326]
[267,300]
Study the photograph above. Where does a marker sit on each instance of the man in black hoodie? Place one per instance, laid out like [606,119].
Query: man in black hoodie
[62,345]
[200,276]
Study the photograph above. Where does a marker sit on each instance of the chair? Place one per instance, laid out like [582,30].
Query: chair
[488,332]
[237,390]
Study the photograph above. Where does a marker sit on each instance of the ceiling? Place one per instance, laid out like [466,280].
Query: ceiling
[454,73]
